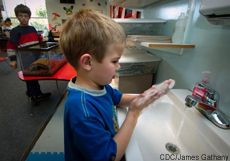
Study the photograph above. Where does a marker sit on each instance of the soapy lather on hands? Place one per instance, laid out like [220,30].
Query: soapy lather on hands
[157,91]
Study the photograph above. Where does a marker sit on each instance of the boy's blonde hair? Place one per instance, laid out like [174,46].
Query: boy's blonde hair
[89,31]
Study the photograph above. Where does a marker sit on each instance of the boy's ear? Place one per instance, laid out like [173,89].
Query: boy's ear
[85,62]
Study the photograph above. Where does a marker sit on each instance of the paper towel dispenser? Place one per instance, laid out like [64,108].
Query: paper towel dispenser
[216,12]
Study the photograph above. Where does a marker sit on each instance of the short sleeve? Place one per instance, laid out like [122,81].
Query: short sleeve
[93,140]
[115,94]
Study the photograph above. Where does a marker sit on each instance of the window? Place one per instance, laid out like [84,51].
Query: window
[38,12]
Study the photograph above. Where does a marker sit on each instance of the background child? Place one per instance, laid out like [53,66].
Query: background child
[6,25]
[93,44]
[23,35]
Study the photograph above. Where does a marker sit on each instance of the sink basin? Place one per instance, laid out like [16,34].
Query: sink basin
[199,138]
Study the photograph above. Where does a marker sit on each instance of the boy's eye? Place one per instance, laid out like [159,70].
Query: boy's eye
[115,61]
[26,16]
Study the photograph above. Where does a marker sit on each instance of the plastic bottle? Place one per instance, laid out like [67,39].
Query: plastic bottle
[178,34]
[206,78]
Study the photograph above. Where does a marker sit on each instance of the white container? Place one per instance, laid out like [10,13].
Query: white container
[178,35]
[136,72]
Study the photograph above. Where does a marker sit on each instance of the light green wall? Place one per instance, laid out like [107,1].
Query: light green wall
[212,51]
[54,6]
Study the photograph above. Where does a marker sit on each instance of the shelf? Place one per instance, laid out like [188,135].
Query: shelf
[166,45]
[133,3]
[138,20]
[156,41]
[162,43]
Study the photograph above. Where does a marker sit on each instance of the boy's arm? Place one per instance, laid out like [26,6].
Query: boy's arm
[136,104]
[11,52]
[126,99]
[125,132]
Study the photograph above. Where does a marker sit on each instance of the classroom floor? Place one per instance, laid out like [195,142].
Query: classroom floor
[50,145]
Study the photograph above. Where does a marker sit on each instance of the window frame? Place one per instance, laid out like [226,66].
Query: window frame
[14,18]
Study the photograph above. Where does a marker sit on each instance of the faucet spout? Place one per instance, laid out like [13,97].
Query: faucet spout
[192,101]
[206,101]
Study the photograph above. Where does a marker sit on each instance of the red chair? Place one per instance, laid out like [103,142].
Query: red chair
[4,59]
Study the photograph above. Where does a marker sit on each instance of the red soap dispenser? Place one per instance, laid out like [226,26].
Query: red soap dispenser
[202,87]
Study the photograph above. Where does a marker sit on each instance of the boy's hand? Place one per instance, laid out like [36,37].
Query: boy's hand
[164,87]
[141,101]
[14,64]
[150,95]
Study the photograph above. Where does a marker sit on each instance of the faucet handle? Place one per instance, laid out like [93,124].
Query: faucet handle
[212,98]
[206,94]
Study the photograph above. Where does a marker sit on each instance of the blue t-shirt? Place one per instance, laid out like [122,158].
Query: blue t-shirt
[90,123]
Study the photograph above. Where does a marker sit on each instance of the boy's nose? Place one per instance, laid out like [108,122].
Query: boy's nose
[118,66]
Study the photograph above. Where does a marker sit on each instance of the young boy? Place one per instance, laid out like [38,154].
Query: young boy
[23,35]
[93,44]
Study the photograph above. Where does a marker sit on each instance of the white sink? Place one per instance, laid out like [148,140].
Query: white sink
[199,138]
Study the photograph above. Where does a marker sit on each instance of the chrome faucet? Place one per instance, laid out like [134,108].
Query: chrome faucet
[206,100]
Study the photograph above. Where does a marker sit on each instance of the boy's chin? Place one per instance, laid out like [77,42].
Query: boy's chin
[103,84]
